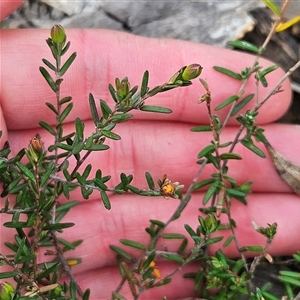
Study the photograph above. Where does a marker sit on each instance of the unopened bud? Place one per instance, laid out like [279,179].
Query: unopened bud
[58,34]
[190,72]
[7,291]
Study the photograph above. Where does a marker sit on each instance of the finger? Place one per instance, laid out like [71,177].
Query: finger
[105,55]
[171,148]
[131,214]
[8,7]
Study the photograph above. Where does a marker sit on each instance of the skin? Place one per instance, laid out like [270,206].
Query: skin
[150,142]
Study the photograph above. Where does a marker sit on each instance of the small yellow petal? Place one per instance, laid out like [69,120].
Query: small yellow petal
[285,25]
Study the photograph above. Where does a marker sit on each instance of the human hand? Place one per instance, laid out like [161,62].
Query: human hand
[150,142]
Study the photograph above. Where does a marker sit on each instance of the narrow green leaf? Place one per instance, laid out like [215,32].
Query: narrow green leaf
[134,189]
[79,125]
[113,93]
[46,176]
[228,72]
[47,127]
[67,206]
[244,45]
[105,200]
[67,64]
[65,100]
[26,171]
[122,253]
[86,295]
[150,181]
[157,109]
[106,110]
[65,49]
[228,241]
[273,6]
[65,112]
[173,236]
[49,79]
[201,128]
[252,249]
[121,118]
[51,106]
[97,147]
[93,109]
[214,240]
[144,86]
[182,246]
[17,224]
[212,189]
[73,287]
[162,282]
[148,261]
[202,183]
[173,257]
[205,151]
[235,193]
[99,183]
[58,226]
[133,244]
[268,70]
[227,102]
[249,144]
[241,104]
[230,156]
[111,135]
[8,274]
[157,222]
[49,64]
[64,146]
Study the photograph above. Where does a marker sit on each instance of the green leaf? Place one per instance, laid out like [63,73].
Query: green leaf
[273,6]
[122,253]
[51,106]
[157,109]
[241,104]
[49,79]
[214,240]
[201,128]
[227,102]
[67,206]
[244,45]
[8,274]
[65,100]
[205,151]
[49,64]
[133,244]
[93,109]
[79,125]
[203,183]
[212,189]
[228,241]
[64,146]
[47,127]
[249,144]
[67,64]
[113,93]
[173,236]
[157,222]
[148,261]
[65,112]
[173,257]
[46,176]
[252,249]
[230,156]
[106,110]
[150,181]
[144,87]
[99,183]
[121,118]
[111,135]
[105,200]
[26,171]
[86,295]
[228,72]
[97,147]
[58,226]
